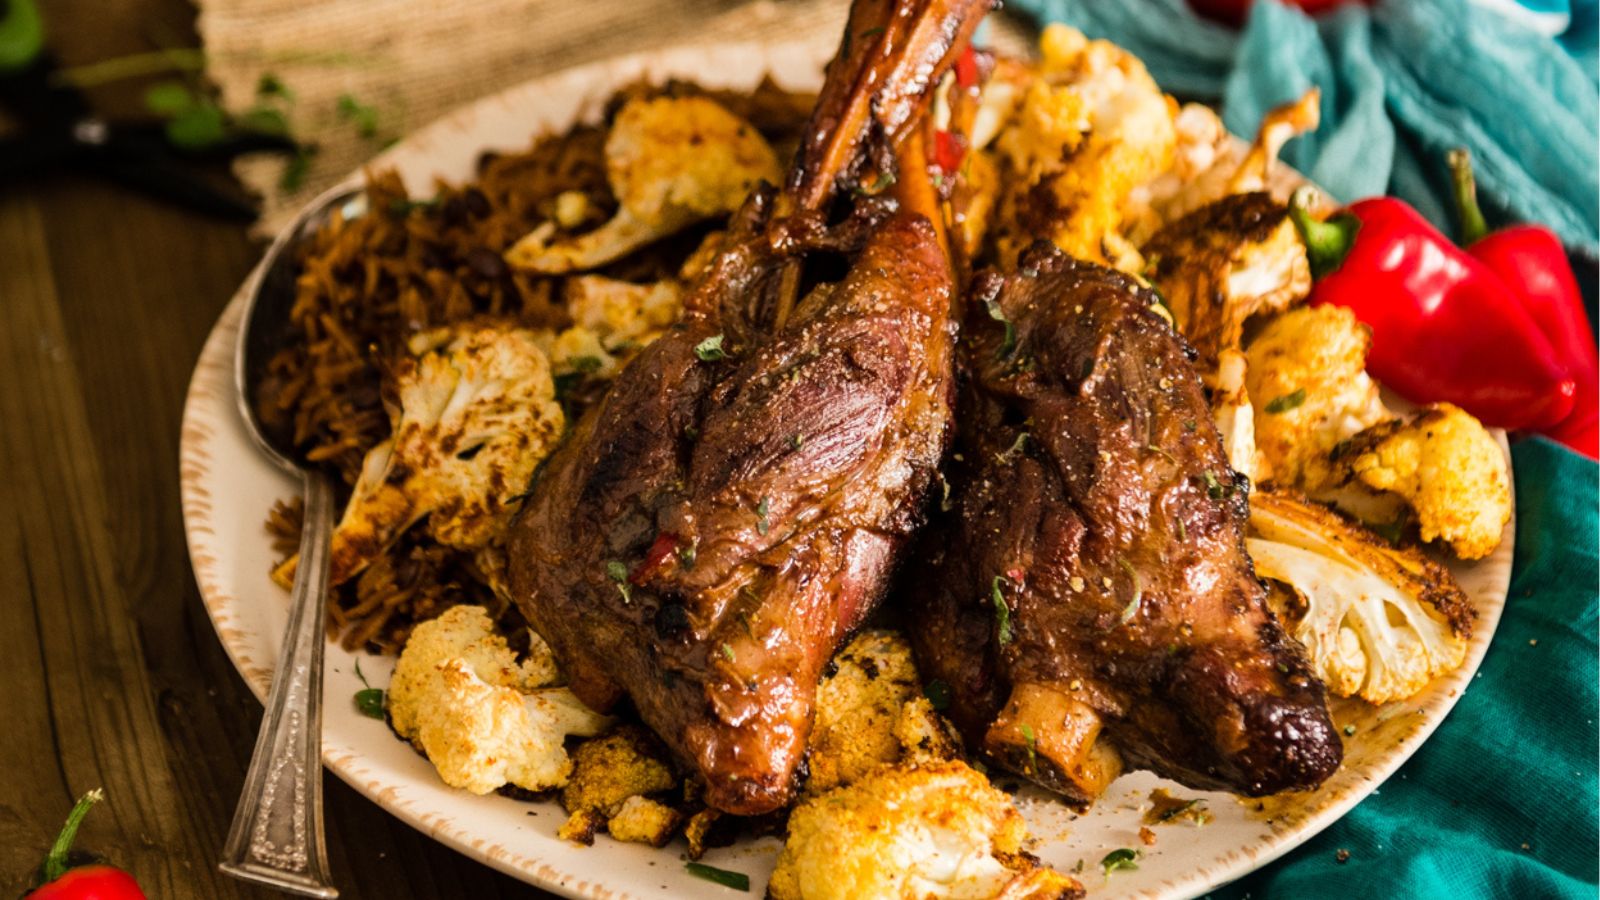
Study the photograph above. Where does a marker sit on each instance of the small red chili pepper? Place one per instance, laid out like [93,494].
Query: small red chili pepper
[91,882]
[948,150]
[967,68]
[660,550]
[1532,262]
[1444,327]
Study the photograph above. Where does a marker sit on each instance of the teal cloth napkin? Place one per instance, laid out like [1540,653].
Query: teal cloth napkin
[1402,83]
[1500,802]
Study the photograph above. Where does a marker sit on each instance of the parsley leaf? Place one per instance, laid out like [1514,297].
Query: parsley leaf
[1286,402]
[710,349]
[1002,613]
[1009,344]
[1121,858]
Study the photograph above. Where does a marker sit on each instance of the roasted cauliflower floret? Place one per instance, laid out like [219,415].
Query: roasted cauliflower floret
[460,696]
[1222,264]
[1444,465]
[1235,415]
[1090,127]
[641,820]
[1306,376]
[1210,164]
[913,831]
[477,413]
[672,162]
[871,711]
[609,771]
[1378,621]
[858,704]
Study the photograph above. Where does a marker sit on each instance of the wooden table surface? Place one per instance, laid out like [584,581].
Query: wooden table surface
[113,677]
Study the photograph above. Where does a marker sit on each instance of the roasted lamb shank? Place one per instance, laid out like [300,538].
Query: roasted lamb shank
[711,531]
[1089,600]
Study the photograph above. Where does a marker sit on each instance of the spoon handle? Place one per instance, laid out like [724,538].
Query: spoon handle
[276,838]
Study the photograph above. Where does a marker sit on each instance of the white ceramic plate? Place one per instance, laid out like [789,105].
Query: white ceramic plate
[227,489]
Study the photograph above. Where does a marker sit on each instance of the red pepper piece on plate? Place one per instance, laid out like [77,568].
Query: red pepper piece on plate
[1444,327]
[1532,262]
[91,882]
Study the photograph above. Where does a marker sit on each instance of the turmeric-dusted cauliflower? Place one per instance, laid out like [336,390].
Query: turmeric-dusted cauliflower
[1307,379]
[1088,128]
[1444,465]
[672,161]
[1378,621]
[608,773]
[858,703]
[484,720]
[477,414]
[916,831]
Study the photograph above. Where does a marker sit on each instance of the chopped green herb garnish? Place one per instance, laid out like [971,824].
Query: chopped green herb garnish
[736,880]
[271,86]
[797,441]
[1032,742]
[686,555]
[883,182]
[619,573]
[1121,858]
[761,516]
[1214,488]
[1132,609]
[727,653]
[1154,449]
[1009,344]
[1349,730]
[364,117]
[1078,869]
[1183,530]
[369,700]
[1189,425]
[938,694]
[294,174]
[1002,613]
[710,349]
[1013,450]
[1286,402]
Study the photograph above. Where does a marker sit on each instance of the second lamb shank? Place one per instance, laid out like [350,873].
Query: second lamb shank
[1089,600]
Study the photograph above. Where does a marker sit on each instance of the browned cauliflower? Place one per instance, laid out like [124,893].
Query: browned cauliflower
[918,831]
[1089,127]
[1378,621]
[672,161]
[483,719]
[1307,379]
[477,413]
[1443,465]
[608,773]
[1218,266]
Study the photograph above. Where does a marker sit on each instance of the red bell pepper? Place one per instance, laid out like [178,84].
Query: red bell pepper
[1444,327]
[1533,264]
[91,882]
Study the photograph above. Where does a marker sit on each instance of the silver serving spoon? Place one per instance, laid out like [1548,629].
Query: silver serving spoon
[277,838]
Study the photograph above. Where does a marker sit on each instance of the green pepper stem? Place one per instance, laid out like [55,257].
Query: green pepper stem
[55,865]
[1473,225]
[1327,242]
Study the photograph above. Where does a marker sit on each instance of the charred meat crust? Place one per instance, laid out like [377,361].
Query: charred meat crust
[1096,548]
